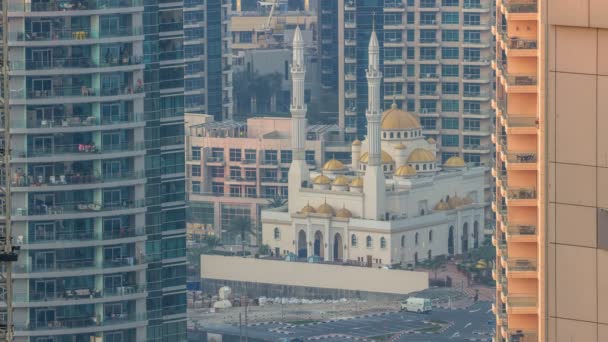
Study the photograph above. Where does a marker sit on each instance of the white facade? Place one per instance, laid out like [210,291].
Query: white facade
[414,210]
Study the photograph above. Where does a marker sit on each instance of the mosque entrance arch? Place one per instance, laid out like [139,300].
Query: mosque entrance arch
[302,248]
[338,256]
[451,241]
[318,245]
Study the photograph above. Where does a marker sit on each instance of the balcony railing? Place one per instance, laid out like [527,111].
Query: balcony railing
[521,121]
[521,80]
[79,91]
[78,149]
[84,322]
[522,193]
[77,207]
[522,336]
[74,34]
[522,157]
[521,264]
[521,301]
[76,294]
[73,179]
[521,230]
[79,121]
[74,62]
[72,5]
[521,6]
[83,235]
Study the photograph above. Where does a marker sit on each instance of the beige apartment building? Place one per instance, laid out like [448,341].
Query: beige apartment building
[236,168]
[552,170]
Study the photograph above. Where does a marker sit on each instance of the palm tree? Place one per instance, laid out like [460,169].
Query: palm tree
[241,226]
[276,202]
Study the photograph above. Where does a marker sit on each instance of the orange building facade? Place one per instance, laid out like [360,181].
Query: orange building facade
[551,170]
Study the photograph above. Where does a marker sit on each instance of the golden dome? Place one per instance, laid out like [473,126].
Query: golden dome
[333,165]
[344,213]
[454,202]
[431,141]
[357,142]
[405,170]
[454,161]
[400,146]
[341,180]
[325,209]
[357,182]
[421,155]
[397,119]
[321,180]
[386,158]
[307,210]
[441,205]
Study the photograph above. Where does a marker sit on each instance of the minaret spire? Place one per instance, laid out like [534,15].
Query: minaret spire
[298,171]
[374,185]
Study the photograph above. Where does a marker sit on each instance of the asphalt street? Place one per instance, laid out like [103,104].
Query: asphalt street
[440,325]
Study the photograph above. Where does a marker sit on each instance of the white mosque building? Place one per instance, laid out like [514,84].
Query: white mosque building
[394,204]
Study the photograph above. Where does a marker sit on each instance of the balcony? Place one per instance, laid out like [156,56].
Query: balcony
[521,268]
[521,233]
[76,296]
[76,152]
[64,124]
[521,196]
[521,304]
[521,83]
[58,65]
[73,235]
[73,36]
[514,335]
[87,324]
[76,94]
[520,9]
[72,5]
[518,47]
[521,160]
[520,124]
[75,209]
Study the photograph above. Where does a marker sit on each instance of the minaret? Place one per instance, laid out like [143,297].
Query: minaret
[374,182]
[298,171]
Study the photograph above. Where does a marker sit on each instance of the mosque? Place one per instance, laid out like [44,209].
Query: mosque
[394,204]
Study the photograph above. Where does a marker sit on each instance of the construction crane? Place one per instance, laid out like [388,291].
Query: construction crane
[8,252]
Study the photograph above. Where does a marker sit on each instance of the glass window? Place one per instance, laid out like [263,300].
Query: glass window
[353,240]
[471,54]
[471,158]
[286,156]
[449,140]
[428,18]
[428,36]
[411,52]
[449,70]
[449,35]
[411,105]
[428,123]
[428,70]
[411,88]
[368,242]
[472,124]
[449,3]
[235,154]
[450,106]
[472,107]
[383,242]
[449,52]
[196,187]
[196,170]
[450,88]
[411,34]
[449,123]
[196,153]
[250,156]
[428,53]
[310,157]
[472,19]
[449,18]
[472,72]
[428,88]
[472,36]
[428,106]
[411,70]
[411,17]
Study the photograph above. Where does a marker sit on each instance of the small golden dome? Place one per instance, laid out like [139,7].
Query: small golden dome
[333,165]
[321,180]
[441,205]
[357,182]
[344,213]
[421,155]
[357,142]
[454,161]
[400,146]
[307,210]
[455,202]
[341,181]
[405,170]
[386,158]
[397,119]
[431,141]
[325,209]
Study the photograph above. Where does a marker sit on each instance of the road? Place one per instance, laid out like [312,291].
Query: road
[440,325]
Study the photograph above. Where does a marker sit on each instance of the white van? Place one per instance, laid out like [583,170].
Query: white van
[414,304]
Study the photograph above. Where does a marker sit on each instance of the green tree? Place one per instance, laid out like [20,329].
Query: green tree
[276,202]
[243,227]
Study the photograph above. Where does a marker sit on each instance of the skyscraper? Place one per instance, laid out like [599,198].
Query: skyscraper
[435,56]
[551,178]
[208,59]
[95,124]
